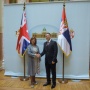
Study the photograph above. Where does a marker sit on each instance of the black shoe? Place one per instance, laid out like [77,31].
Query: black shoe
[47,83]
[53,86]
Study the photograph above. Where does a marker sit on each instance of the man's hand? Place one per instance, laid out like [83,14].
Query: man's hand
[38,55]
[53,62]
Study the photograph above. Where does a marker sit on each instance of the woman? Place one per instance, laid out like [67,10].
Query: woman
[34,61]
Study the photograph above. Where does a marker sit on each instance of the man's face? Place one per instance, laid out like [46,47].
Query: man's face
[48,37]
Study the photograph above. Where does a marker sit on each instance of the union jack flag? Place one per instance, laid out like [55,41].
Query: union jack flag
[23,38]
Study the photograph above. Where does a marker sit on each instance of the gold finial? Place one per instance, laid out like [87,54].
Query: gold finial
[24,6]
[64,3]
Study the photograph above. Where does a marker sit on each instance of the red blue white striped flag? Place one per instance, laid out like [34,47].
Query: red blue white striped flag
[23,38]
[64,40]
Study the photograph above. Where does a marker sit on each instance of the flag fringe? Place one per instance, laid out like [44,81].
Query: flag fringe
[23,53]
[63,51]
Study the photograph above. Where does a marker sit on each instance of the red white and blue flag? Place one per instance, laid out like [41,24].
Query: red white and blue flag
[64,40]
[23,37]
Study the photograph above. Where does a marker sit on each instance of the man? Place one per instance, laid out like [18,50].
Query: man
[50,51]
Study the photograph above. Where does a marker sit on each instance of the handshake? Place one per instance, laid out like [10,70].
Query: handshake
[38,55]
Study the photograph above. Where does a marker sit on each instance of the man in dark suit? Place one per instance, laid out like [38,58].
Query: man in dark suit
[50,51]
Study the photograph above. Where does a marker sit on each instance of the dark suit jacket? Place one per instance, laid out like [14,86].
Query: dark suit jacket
[50,52]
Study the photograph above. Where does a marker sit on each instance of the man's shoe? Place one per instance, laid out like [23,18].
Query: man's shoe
[35,83]
[32,86]
[53,86]
[47,83]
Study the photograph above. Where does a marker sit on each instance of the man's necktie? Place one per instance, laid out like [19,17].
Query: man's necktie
[47,44]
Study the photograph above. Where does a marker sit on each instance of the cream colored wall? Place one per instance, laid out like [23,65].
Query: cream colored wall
[39,0]
[21,1]
[1,33]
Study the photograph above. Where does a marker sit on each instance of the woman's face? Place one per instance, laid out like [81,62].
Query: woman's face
[33,42]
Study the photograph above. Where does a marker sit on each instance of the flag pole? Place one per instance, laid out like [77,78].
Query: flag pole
[63,68]
[63,80]
[24,78]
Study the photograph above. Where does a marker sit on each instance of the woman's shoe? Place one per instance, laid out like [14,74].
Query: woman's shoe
[32,86]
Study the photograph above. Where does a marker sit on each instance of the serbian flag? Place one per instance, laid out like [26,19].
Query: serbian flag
[23,37]
[64,40]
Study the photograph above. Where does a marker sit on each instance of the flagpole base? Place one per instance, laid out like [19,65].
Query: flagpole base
[24,78]
[63,81]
